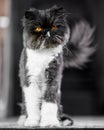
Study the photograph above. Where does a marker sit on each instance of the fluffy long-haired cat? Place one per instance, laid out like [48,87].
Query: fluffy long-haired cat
[52,41]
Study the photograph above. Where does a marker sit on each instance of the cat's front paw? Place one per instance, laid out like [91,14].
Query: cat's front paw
[49,115]
[31,122]
[50,123]
[21,120]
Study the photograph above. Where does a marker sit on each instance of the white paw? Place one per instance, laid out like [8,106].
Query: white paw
[21,120]
[50,123]
[31,122]
[49,115]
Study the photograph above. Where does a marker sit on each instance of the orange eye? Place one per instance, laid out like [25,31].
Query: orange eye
[54,27]
[39,29]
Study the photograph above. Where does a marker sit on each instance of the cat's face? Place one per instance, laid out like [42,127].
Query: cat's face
[45,28]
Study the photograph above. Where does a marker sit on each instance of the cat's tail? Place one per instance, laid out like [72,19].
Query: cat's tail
[66,120]
[79,48]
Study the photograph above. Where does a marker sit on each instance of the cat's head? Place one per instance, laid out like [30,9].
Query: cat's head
[45,28]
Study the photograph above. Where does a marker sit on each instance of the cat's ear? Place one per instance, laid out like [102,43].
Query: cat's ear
[57,10]
[30,14]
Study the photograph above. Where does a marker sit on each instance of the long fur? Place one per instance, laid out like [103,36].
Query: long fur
[43,59]
[79,48]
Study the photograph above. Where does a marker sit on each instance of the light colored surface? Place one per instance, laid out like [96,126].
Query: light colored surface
[88,122]
[79,122]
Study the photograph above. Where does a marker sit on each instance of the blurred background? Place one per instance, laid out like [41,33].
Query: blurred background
[82,90]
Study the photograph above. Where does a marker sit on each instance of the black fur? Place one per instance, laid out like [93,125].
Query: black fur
[52,80]
[45,19]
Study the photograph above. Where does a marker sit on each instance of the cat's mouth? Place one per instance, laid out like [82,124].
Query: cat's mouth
[51,42]
[47,42]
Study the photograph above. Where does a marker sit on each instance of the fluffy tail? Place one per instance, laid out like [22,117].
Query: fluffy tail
[79,48]
[66,120]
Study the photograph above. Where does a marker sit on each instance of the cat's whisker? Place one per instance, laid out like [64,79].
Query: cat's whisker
[59,36]
[59,40]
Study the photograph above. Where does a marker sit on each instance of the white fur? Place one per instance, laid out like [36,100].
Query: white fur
[66,122]
[42,45]
[49,113]
[37,62]
[48,34]
[32,101]
[21,120]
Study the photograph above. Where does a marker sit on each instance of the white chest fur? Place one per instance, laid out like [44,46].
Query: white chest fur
[38,60]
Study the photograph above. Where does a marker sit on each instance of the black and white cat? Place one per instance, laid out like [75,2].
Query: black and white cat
[51,42]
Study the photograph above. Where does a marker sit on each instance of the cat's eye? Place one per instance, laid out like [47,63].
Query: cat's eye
[54,27]
[39,29]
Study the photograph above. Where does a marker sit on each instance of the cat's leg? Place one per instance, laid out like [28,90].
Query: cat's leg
[32,97]
[21,120]
[49,108]
[31,94]
[49,116]
[22,117]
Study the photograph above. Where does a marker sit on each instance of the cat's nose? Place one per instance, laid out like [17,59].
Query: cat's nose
[46,34]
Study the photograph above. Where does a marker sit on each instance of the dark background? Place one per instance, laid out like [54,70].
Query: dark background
[82,90]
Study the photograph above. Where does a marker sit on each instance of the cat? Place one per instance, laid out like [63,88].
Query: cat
[52,41]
